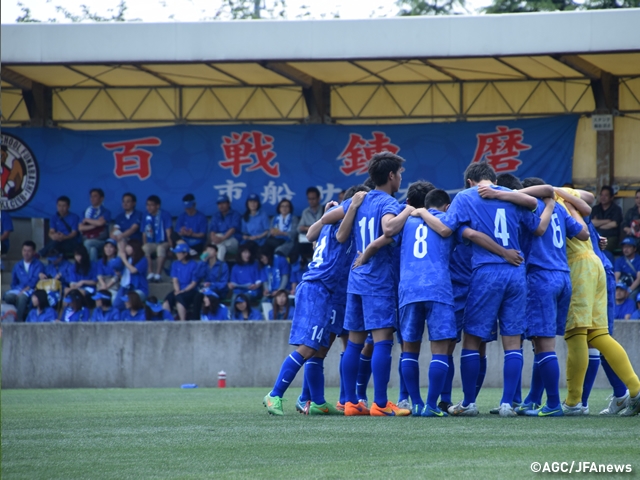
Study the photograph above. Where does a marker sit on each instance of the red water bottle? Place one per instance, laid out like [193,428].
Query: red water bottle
[222,379]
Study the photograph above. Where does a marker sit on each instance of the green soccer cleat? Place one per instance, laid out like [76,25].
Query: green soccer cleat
[273,404]
[545,411]
[523,408]
[325,409]
[427,411]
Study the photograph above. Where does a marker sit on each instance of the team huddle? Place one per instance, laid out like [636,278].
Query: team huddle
[522,262]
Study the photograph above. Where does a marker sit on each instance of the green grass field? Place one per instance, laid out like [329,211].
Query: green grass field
[212,433]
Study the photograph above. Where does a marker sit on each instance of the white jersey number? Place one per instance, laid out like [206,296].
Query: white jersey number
[500,230]
[363,231]
[317,335]
[317,254]
[420,245]
[558,241]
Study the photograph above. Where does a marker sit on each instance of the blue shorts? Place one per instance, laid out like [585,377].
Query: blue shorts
[369,312]
[496,291]
[439,317]
[611,300]
[548,300]
[460,294]
[336,320]
[312,315]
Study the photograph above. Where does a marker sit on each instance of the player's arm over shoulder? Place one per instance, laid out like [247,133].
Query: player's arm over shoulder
[433,222]
[372,249]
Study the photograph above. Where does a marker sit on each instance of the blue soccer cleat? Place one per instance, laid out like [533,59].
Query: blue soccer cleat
[545,411]
[428,411]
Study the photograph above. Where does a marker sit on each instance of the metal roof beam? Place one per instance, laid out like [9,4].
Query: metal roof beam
[287,71]
[16,79]
[581,65]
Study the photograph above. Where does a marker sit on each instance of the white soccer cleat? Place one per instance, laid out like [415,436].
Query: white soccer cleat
[616,404]
[458,410]
[633,407]
[506,410]
[405,404]
[575,411]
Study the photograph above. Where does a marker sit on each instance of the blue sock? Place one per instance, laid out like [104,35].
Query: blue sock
[411,373]
[481,374]
[619,388]
[364,374]
[306,393]
[445,396]
[590,377]
[537,385]
[381,369]
[342,389]
[469,369]
[438,370]
[350,363]
[517,396]
[404,390]
[288,372]
[314,372]
[511,373]
[549,372]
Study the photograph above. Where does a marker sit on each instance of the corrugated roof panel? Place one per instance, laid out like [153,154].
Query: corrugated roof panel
[620,64]
[626,145]
[476,68]
[335,72]
[253,74]
[629,94]
[193,74]
[541,67]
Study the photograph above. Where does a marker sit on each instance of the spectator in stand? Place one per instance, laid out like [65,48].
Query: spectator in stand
[627,267]
[57,268]
[310,215]
[212,309]
[83,275]
[275,270]
[156,236]
[24,278]
[74,311]
[282,309]
[283,235]
[41,310]
[107,276]
[225,228]
[104,311]
[191,225]
[128,224]
[245,275]
[94,227]
[63,229]
[242,309]
[297,270]
[607,218]
[153,311]
[5,229]
[636,315]
[213,273]
[631,222]
[255,224]
[132,265]
[134,308]
[184,275]
[625,306]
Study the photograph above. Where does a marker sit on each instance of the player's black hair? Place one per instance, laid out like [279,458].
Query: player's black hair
[532,181]
[609,189]
[29,243]
[352,190]
[129,194]
[437,198]
[154,199]
[382,164]
[509,181]
[369,183]
[479,171]
[418,191]
[189,197]
[64,199]
[313,190]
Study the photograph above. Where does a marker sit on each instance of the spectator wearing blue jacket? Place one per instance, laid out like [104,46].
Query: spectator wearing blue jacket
[134,308]
[275,270]
[184,276]
[245,275]
[41,311]
[156,235]
[213,273]
[104,311]
[5,230]
[24,278]
[242,309]
[108,278]
[225,228]
[74,310]
[625,306]
[627,267]
[57,268]
[63,229]
[83,275]
[212,309]
[153,311]
[128,223]
[94,225]
[282,309]
[255,223]
[191,225]
[132,266]
[636,315]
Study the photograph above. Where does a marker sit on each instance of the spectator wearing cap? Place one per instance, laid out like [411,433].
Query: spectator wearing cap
[41,311]
[245,275]
[310,215]
[212,273]
[94,227]
[636,315]
[191,225]
[242,310]
[625,306]
[283,235]
[627,267]
[153,311]
[156,236]
[24,278]
[134,308]
[184,276]
[83,275]
[6,228]
[631,222]
[74,309]
[255,224]
[104,311]
[128,223]
[225,228]
[132,265]
[212,309]
[63,229]
[607,217]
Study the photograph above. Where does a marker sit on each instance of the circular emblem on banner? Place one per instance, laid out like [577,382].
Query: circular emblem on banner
[20,174]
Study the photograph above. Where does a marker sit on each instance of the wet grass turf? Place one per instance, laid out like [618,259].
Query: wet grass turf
[212,433]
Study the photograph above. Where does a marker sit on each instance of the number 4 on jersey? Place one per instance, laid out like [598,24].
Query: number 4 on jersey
[500,230]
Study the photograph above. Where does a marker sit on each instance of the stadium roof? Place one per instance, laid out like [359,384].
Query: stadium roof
[119,75]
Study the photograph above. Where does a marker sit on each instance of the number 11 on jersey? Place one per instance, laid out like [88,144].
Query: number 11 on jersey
[363,232]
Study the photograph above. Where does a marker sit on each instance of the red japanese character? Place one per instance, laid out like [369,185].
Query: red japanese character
[501,149]
[359,151]
[252,149]
[131,160]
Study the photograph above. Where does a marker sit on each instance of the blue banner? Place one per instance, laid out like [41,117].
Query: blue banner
[275,162]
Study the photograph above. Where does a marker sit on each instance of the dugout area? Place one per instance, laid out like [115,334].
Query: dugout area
[376,71]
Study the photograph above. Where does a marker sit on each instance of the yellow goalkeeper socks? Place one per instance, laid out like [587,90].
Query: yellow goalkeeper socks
[617,358]
[577,363]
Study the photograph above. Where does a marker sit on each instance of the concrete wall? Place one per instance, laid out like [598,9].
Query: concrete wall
[119,355]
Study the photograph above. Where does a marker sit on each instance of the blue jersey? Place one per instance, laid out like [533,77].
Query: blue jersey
[424,264]
[244,275]
[127,316]
[339,297]
[154,227]
[106,270]
[221,314]
[196,222]
[253,315]
[549,251]
[185,272]
[81,315]
[76,276]
[628,307]
[124,221]
[595,242]
[461,259]
[99,315]
[63,268]
[504,222]
[46,315]
[272,274]
[256,225]
[376,277]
